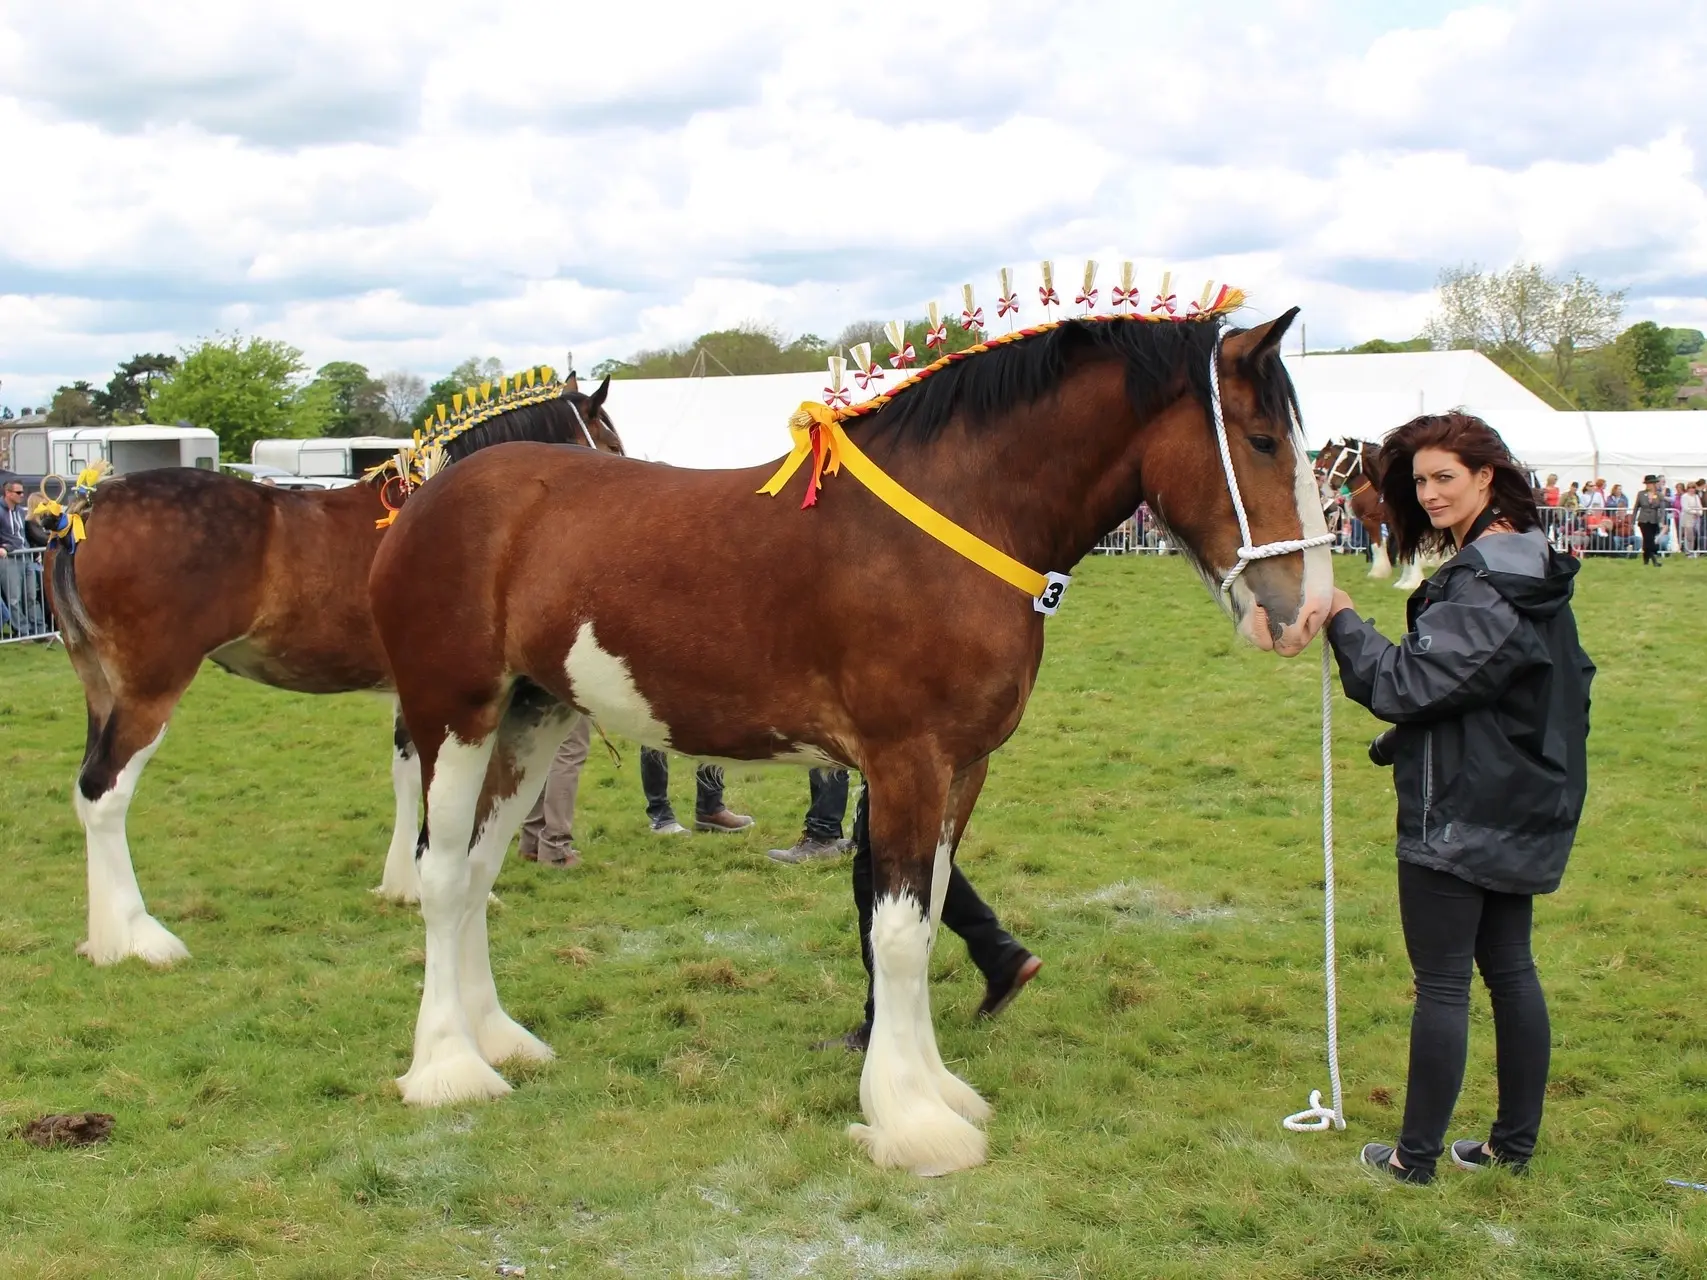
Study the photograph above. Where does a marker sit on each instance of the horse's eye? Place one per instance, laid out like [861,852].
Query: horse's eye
[1263,444]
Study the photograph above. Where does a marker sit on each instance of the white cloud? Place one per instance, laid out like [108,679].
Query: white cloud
[409,183]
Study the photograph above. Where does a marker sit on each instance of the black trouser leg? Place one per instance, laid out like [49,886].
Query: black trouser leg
[829,804]
[655,783]
[1452,926]
[992,948]
[708,790]
[1650,542]
[1523,1036]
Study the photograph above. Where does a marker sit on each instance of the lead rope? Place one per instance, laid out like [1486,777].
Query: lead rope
[1316,1117]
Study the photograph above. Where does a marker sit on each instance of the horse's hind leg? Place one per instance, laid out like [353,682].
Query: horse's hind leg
[909,1125]
[401,882]
[119,748]
[1380,564]
[532,730]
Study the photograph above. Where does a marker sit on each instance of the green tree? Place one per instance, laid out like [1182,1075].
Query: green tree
[244,390]
[355,400]
[73,406]
[752,348]
[129,390]
[1685,342]
[1646,353]
[1381,346]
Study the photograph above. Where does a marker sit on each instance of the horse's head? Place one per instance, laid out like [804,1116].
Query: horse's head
[589,410]
[1278,602]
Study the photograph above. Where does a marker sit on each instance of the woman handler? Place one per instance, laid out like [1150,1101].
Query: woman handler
[1488,694]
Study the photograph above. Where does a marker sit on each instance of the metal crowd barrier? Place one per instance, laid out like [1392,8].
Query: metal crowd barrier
[1580,531]
[24,612]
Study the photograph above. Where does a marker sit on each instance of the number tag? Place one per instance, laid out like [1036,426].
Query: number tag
[1050,600]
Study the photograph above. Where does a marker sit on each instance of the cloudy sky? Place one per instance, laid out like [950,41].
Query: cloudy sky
[407,184]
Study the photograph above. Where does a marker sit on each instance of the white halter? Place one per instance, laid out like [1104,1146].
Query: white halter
[1247,552]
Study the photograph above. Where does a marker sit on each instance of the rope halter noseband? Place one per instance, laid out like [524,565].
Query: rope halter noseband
[1247,552]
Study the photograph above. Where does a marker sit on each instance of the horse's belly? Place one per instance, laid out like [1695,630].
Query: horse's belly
[300,673]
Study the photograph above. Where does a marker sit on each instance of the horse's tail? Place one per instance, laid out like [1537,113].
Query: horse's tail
[67,601]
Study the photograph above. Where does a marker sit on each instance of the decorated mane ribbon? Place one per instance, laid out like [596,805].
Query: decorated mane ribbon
[973,316]
[1204,306]
[866,371]
[835,394]
[1126,292]
[66,509]
[937,333]
[896,332]
[1088,291]
[1007,303]
[1164,301]
[816,432]
[1047,291]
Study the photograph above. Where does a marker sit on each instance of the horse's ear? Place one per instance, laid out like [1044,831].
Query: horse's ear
[572,383]
[598,397]
[1255,346]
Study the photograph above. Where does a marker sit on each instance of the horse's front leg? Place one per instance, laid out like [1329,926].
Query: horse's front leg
[910,1125]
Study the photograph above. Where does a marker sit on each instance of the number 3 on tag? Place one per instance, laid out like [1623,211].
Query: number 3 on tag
[1050,600]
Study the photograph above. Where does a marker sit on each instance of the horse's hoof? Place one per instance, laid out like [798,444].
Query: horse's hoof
[502,1039]
[143,937]
[459,1078]
[927,1141]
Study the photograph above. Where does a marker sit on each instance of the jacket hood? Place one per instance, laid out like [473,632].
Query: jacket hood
[1525,569]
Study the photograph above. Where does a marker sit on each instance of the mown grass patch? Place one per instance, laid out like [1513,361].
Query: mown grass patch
[1152,831]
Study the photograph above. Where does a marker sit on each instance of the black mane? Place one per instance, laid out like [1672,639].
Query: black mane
[985,387]
[550,421]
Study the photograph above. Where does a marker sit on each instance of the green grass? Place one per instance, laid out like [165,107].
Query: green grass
[1152,831]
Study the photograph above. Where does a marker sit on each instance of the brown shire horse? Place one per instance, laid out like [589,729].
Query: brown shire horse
[680,608]
[268,583]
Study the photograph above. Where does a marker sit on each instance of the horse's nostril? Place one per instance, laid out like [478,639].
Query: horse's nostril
[1276,628]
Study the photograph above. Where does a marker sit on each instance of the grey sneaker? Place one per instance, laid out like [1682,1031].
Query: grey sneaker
[1470,1153]
[809,851]
[668,827]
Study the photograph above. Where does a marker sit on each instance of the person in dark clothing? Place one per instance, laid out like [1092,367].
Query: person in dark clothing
[709,811]
[1650,515]
[1005,964]
[1488,693]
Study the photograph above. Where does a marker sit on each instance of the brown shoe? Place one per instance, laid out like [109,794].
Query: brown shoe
[723,820]
[998,995]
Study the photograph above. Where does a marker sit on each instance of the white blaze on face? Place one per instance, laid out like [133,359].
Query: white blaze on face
[1318,561]
[602,685]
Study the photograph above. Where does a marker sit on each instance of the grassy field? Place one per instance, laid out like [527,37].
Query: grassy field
[1152,831]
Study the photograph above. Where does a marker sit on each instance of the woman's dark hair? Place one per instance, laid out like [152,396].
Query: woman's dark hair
[1476,445]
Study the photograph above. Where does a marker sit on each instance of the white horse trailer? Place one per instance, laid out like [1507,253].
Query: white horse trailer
[330,456]
[67,450]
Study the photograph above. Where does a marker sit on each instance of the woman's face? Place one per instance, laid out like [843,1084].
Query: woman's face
[1447,490]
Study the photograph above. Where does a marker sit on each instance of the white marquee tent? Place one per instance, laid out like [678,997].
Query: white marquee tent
[743,421]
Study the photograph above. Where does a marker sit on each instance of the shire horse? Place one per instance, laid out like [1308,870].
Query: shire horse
[1358,463]
[685,609]
[271,584]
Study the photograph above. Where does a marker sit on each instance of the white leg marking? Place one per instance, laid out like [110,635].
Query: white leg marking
[447,1065]
[602,683]
[119,923]
[910,1126]
[401,882]
[960,1096]
[499,1036]
[1410,578]
[1379,565]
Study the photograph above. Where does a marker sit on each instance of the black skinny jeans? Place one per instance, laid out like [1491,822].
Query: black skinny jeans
[1650,542]
[655,784]
[1450,924]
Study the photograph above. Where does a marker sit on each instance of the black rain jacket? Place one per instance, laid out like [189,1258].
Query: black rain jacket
[1489,693]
